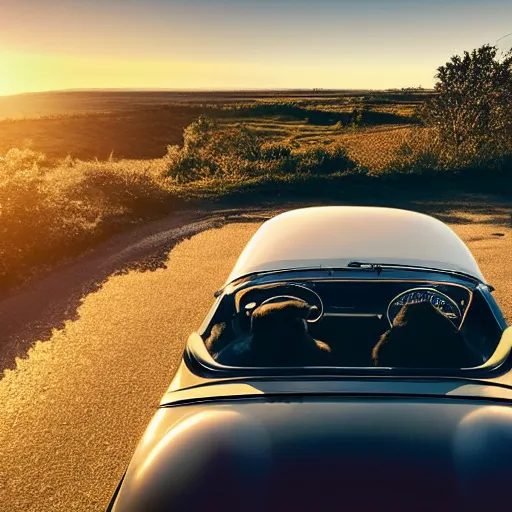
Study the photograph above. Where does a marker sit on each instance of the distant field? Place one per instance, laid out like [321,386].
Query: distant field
[73,102]
[132,134]
[140,125]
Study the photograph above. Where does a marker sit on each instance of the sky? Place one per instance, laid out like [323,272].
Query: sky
[236,44]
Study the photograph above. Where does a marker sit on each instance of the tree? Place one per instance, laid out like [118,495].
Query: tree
[471,111]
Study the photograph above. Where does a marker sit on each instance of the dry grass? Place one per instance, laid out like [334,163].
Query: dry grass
[50,211]
[137,134]
[146,135]
[375,148]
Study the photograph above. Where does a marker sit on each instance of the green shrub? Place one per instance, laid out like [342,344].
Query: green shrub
[425,153]
[324,160]
[48,214]
[210,152]
[237,152]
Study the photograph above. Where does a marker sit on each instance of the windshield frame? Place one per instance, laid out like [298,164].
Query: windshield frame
[400,271]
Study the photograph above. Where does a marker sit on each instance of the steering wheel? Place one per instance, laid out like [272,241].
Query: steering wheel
[440,301]
[315,310]
[248,299]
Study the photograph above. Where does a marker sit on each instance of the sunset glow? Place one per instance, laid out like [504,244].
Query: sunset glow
[35,72]
[57,44]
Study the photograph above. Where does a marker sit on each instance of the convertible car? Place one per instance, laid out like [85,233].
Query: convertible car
[354,358]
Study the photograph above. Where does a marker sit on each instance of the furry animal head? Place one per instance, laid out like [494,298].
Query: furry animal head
[286,318]
[421,337]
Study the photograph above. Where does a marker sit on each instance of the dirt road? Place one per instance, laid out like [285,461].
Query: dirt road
[73,410]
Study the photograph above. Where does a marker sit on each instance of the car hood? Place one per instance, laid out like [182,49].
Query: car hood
[290,453]
[334,236]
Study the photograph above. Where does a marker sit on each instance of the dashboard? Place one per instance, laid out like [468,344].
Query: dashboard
[365,298]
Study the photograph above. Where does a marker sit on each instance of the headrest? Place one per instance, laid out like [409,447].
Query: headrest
[284,308]
[280,314]
[254,291]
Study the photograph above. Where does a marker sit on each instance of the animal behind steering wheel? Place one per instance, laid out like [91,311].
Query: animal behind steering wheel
[250,299]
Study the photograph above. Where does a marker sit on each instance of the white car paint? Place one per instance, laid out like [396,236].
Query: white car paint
[334,236]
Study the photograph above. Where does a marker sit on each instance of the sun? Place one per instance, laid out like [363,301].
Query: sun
[14,72]
[6,74]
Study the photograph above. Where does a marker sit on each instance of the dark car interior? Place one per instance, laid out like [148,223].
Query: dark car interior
[354,324]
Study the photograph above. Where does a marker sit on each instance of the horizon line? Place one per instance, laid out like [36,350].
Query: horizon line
[212,90]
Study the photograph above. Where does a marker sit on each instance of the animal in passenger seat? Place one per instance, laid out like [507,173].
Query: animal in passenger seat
[421,337]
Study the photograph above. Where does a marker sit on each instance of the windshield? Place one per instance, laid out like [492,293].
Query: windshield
[362,323]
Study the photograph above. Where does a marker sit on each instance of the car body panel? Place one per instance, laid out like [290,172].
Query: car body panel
[334,236]
[239,389]
[298,453]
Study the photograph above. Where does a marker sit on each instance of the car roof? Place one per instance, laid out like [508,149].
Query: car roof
[334,236]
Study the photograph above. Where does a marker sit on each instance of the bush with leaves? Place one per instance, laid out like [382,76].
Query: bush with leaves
[471,113]
[324,160]
[47,213]
[210,152]
[237,152]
